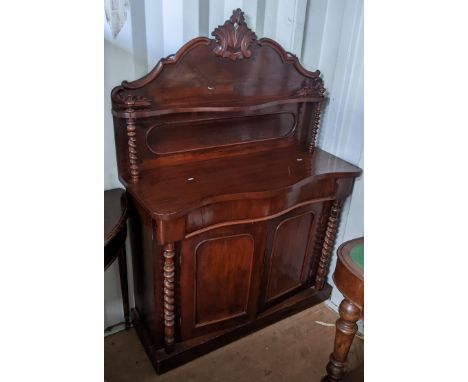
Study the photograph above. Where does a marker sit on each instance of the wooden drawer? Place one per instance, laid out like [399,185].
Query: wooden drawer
[261,208]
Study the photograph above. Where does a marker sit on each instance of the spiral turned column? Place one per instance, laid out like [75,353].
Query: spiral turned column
[132,147]
[315,126]
[345,330]
[328,242]
[318,243]
[169,277]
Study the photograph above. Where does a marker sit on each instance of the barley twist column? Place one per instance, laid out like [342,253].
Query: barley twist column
[132,147]
[315,126]
[169,277]
[328,242]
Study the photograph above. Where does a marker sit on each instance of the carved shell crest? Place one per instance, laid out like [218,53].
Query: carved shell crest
[234,38]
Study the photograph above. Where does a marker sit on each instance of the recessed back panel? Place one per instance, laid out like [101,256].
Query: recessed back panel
[176,137]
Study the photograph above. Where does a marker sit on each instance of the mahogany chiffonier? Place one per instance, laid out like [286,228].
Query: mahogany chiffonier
[233,209]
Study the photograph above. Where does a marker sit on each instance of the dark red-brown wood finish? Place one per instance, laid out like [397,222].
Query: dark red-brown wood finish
[349,279]
[115,234]
[233,208]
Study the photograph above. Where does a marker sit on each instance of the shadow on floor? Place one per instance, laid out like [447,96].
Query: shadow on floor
[295,349]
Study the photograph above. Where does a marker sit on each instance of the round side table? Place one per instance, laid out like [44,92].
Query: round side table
[349,279]
[115,233]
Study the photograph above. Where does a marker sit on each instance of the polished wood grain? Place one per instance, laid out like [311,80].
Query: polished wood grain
[349,279]
[192,135]
[115,233]
[223,294]
[289,253]
[148,273]
[230,198]
[220,275]
[265,174]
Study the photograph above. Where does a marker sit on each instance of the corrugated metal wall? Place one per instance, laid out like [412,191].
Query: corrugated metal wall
[325,35]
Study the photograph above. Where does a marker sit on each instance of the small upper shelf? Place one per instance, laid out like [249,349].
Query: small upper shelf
[213,105]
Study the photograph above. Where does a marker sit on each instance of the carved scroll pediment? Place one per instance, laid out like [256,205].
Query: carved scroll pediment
[234,38]
[129,101]
[314,87]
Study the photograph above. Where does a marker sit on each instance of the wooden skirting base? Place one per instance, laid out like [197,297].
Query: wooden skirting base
[188,350]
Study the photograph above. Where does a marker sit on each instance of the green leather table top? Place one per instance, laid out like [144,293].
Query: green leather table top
[357,255]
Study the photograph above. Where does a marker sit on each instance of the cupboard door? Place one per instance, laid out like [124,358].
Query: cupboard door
[289,254]
[220,278]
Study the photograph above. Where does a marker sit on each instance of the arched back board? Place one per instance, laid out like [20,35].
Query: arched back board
[229,95]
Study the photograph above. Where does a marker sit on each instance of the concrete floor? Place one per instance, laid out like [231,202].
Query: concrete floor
[295,349]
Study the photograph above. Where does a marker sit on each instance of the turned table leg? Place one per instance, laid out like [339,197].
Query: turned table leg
[124,284]
[345,329]
[169,276]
